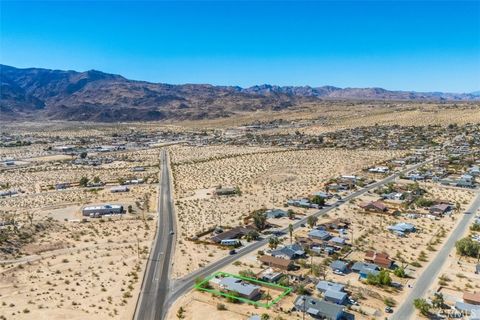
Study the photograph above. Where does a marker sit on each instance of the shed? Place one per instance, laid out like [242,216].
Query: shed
[275,262]
[319,234]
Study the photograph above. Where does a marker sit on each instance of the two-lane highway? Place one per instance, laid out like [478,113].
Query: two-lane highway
[155,285]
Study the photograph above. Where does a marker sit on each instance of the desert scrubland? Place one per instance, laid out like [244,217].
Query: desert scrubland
[266,179]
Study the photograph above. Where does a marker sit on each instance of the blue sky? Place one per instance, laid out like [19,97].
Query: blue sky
[423,46]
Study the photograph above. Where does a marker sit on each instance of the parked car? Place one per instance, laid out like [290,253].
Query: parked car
[388,310]
[232,252]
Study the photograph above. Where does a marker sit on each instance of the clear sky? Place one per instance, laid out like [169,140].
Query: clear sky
[423,46]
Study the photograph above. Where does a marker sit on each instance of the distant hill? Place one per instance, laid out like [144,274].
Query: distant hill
[35,93]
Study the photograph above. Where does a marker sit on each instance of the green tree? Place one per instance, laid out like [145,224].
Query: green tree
[422,305]
[422,202]
[300,289]
[291,214]
[384,278]
[318,200]
[273,242]
[468,247]
[475,227]
[312,221]
[83,182]
[252,235]
[96,179]
[259,219]
[264,316]
[438,301]
[381,279]
[400,272]
[83,155]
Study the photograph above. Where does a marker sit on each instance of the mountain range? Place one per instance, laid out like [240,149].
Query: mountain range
[34,94]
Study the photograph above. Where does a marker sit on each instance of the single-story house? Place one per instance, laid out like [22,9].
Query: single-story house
[416,176]
[102,210]
[318,309]
[324,286]
[375,206]
[323,195]
[278,263]
[401,228]
[269,275]
[440,208]
[467,307]
[333,292]
[337,297]
[244,289]
[319,234]
[394,196]
[308,243]
[276,213]
[379,169]
[337,241]
[234,233]
[339,265]
[335,224]
[336,187]
[364,269]
[379,258]
[292,251]
[302,203]
[472,298]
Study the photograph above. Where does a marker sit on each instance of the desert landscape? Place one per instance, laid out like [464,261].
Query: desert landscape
[226,174]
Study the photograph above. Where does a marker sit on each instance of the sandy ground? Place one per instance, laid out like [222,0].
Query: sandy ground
[98,277]
[265,180]
[44,175]
[77,270]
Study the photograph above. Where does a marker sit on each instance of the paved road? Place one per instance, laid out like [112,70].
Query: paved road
[186,283]
[428,276]
[156,282]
